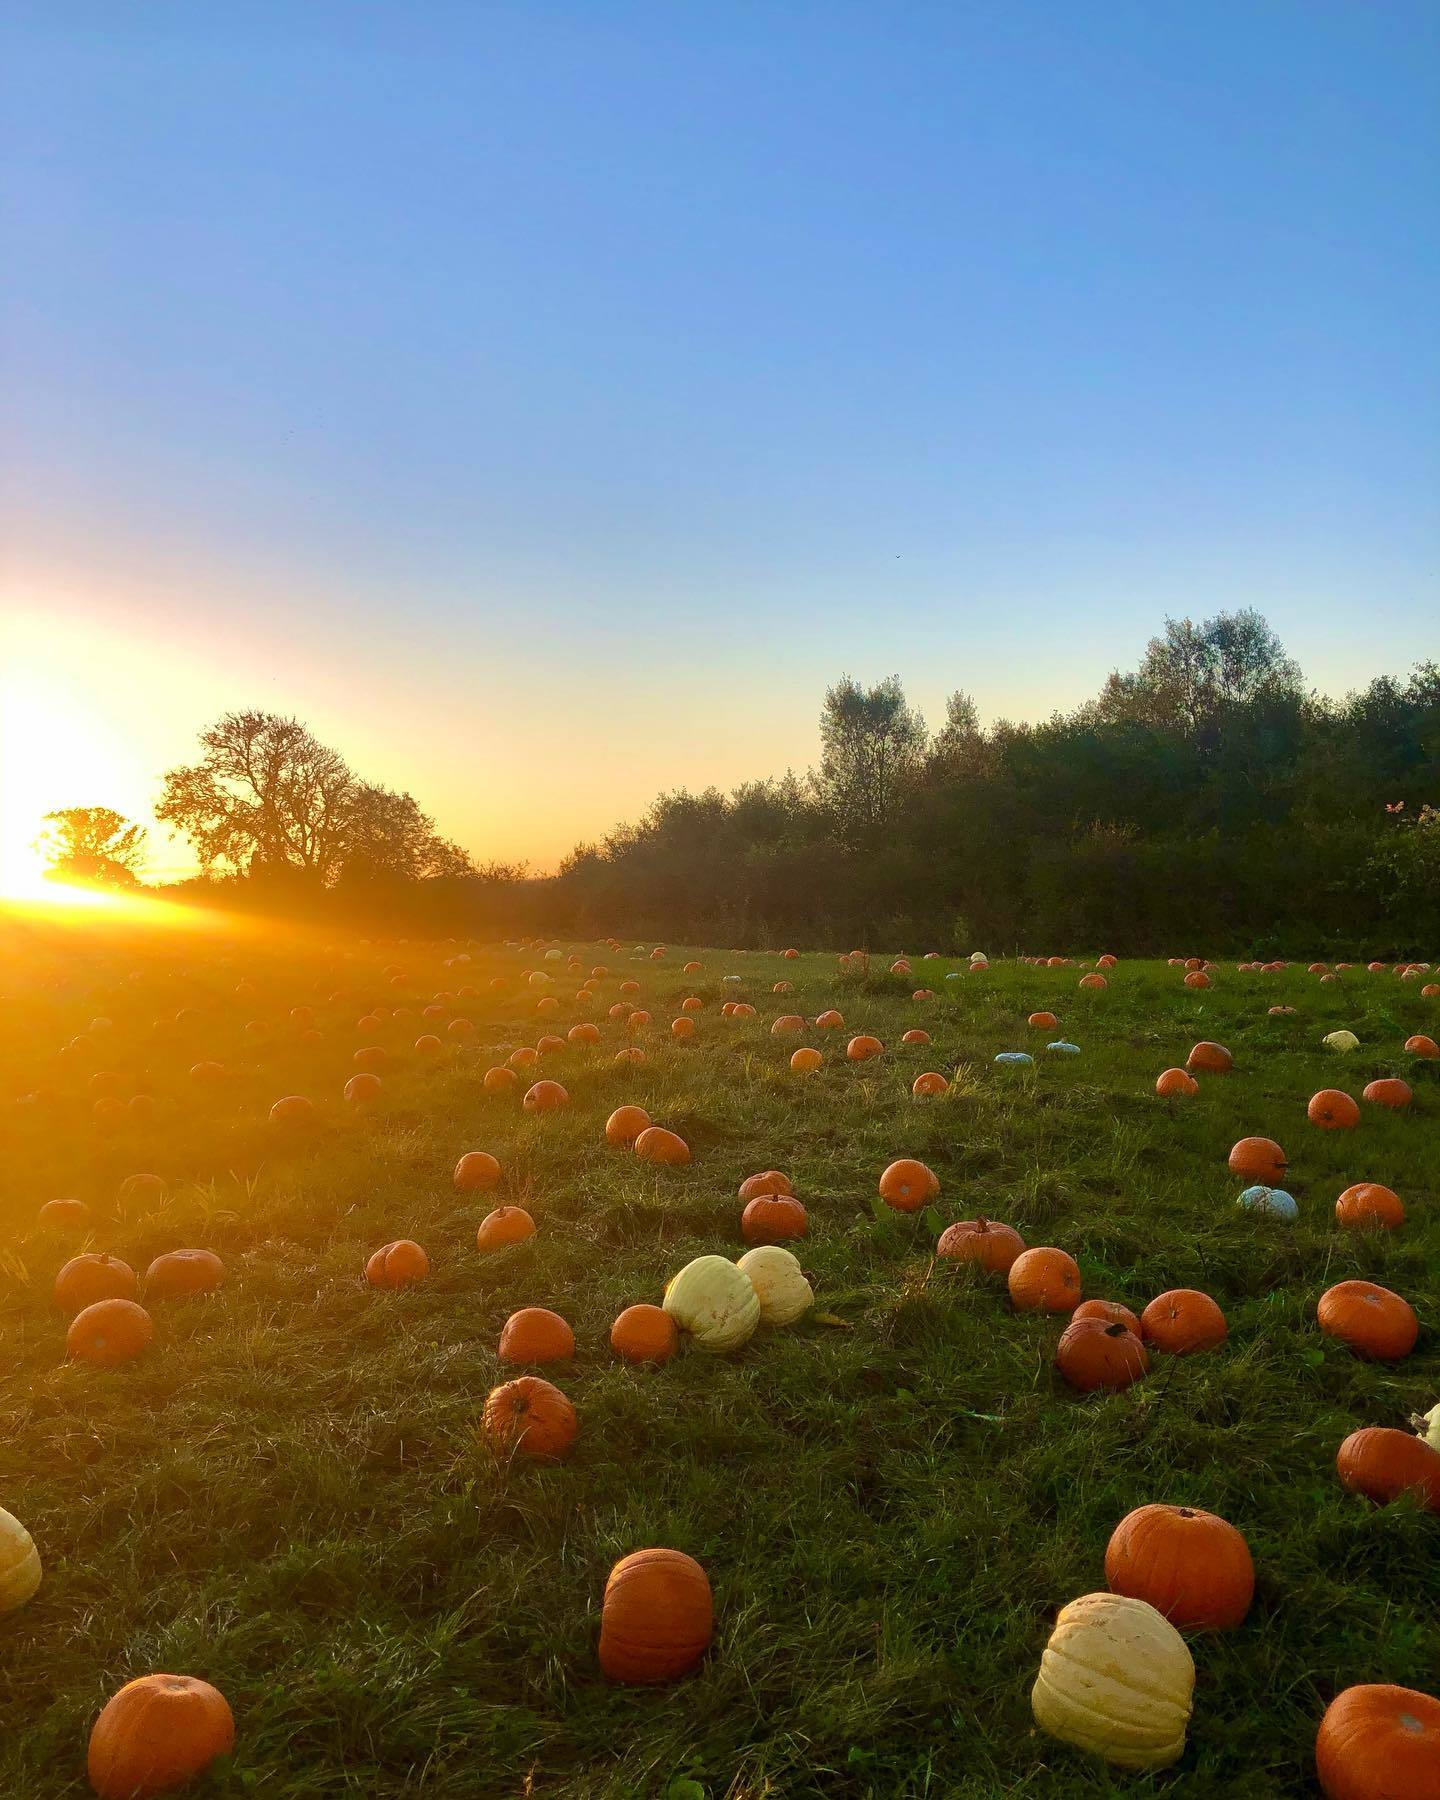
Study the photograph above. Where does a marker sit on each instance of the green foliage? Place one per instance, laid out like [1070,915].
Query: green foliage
[285,1495]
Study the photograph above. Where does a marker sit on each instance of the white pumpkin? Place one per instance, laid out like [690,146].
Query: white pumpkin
[19,1563]
[779,1283]
[1116,1679]
[715,1301]
[1343,1041]
[1428,1425]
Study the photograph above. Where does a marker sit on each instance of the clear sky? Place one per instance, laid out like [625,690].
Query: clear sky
[546,401]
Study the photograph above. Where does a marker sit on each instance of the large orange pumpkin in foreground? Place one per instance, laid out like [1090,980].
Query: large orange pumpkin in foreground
[1379,1742]
[529,1416]
[1044,1280]
[156,1734]
[657,1617]
[1192,1566]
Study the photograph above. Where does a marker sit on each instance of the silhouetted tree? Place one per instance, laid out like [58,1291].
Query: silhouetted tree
[871,745]
[93,844]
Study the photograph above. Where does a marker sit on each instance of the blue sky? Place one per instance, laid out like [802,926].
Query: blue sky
[600,380]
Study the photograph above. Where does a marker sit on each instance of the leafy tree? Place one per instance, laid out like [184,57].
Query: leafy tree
[93,844]
[871,745]
[268,796]
[1194,674]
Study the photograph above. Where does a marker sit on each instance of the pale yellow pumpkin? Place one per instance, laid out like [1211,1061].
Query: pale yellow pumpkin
[1427,1425]
[715,1301]
[1116,1679]
[1343,1041]
[19,1563]
[779,1283]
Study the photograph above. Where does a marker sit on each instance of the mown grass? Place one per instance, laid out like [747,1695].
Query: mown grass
[285,1495]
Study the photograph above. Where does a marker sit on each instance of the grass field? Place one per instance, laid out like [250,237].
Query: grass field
[286,1495]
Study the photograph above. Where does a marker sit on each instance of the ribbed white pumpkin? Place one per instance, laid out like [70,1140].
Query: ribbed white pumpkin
[779,1283]
[1342,1041]
[715,1301]
[19,1563]
[1116,1679]
[1428,1425]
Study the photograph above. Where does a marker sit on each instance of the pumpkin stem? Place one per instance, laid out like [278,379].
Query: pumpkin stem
[1116,1329]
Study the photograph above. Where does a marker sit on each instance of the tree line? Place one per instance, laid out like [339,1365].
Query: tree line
[1203,800]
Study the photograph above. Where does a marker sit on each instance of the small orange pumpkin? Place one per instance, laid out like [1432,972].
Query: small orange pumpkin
[1044,1280]
[1183,1321]
[1258,1159]
[984,1241]
[108,1333]
[500,1080]
[806,1060]
[397,1264]
[529,1417]
[1369,1319]
[1333,1110]
[929,1086]
[477,1172]
[181,1273]
[1173,1082]
[773,1219]
[1390,1091]
[545,1096]
[768,1181]
[657,1145]
[1095,1353]
[506,1225]
[91,1277]
[1382,1463]
[862,1048]
[1109,1310]
[907,1185]
[1193,1567]
[1209,1059]
[625,1125]
[656,1619]
[536,1335]
[1368,1203]
[644,1334]
[915,1036]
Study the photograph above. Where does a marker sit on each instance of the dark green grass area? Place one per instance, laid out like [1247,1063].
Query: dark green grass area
[286,1496]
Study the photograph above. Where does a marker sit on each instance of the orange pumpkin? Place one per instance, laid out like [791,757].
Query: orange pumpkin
[929,1086]
[156,1734]
[1258,1159]
[1391,1092]
[1379,1742]
[1193,1567]
[1420,1045]
[180,1273]
[1095,1353]
[529,1417]
[1089,981]
[683,1027]
[861,1049]
[293,1113]
[584,1034]
[506,1225]
[1044,1280]
[500,1080]
[1368,1203]
[657,1145]
[656,1619]
[1174,1082]
[1109,1310]
[64,1217]
[644,1334]
[806,1060]
[477,1172]
[137,1192]
[1043,1021]
[907,1185]
[830,1020]
[1209,1059]
[1369,1319]
[769,1181]
[915,1036]
[536,1335]
[1197,978]
[625,1124]
[91,1277]
[397,1264]
[1182,1321]
[1333,1110]
[984,1241]
[786,1024]
[362,1089]
[108,1333]
[545,1096]
[1382,1463]
[773,1219]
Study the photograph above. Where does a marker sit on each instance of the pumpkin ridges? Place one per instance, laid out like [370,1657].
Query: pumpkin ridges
[1193,1567]
[1369,1319]
[156,1733]
[1382,1463]
[657,1617]
[1361,1744]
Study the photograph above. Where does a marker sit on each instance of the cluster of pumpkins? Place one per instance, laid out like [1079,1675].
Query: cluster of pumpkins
[1116,1677]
